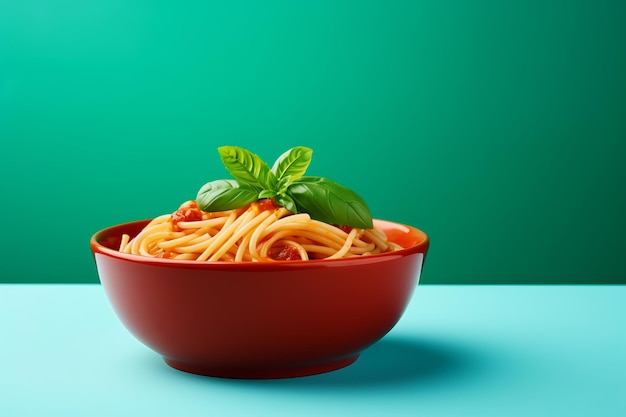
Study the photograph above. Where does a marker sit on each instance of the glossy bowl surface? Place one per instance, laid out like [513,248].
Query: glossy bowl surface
[258,319]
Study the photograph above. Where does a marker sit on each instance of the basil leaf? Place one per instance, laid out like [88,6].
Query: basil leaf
[283,183]
[223,195]
[327,201]
[266,194]
[287,202]
[246,167]
[293,163]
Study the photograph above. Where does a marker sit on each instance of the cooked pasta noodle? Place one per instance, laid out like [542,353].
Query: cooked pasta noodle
[262,231]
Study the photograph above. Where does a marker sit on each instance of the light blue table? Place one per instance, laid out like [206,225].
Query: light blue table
[458,351]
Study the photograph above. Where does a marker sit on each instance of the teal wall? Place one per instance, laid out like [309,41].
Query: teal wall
[498,127]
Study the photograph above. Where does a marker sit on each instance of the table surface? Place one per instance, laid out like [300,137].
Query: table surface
[457,351]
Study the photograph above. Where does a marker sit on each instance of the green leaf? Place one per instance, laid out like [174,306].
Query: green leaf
[266,194]
[293,163]
[283,183]
[287,202]
[323,199]
[327,201]
[248,168]
[223,195]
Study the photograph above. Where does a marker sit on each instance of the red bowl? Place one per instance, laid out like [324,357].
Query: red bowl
[257,319]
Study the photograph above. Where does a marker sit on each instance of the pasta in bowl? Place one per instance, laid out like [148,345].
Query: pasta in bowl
[257,291]
[260,231]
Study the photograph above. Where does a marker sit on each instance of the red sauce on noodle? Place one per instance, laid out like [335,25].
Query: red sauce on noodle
[286,253]
[346,229]
[188,212]
[266,204]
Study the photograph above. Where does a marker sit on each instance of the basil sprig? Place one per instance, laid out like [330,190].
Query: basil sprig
[321,198]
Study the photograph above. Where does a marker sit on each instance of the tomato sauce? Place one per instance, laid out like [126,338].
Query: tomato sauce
[266,204]
[188,212]
[285,253]
[346,229]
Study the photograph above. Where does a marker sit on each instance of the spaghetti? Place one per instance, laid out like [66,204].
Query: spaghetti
[261,231]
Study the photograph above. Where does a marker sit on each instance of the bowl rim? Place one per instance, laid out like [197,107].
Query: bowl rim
[98,248]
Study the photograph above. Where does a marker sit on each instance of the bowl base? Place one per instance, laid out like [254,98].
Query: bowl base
[237,373]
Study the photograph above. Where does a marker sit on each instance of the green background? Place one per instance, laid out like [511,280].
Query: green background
[498,127]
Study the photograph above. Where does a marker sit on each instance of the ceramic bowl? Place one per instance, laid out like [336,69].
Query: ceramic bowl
[259,319]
